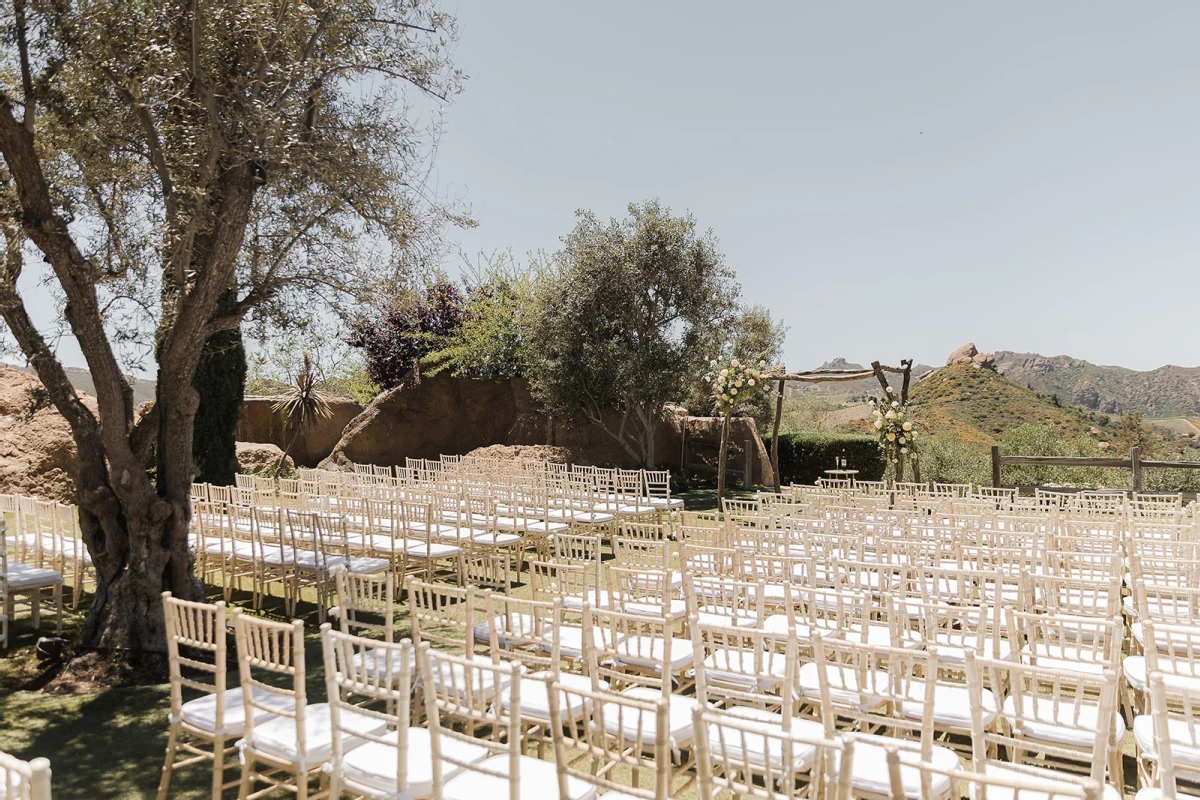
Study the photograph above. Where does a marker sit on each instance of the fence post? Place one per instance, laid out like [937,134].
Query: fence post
[775,434]
[1135,463]
[996,466]
[748,472]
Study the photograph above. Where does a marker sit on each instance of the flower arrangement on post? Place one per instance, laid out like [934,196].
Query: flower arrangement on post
[897,432]
[733,385]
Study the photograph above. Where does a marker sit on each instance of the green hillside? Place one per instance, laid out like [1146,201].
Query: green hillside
[978,405]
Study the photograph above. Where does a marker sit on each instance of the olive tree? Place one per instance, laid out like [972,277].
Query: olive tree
[622,316]
[145,146]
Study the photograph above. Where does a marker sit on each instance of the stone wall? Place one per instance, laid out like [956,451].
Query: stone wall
[446,415]
[258,423]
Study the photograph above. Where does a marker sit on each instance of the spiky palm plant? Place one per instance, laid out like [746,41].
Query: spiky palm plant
[302,406]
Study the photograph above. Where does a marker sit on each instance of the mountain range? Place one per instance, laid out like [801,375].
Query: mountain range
[1158,393]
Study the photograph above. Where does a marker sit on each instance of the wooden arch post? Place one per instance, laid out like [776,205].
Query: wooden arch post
[877,370]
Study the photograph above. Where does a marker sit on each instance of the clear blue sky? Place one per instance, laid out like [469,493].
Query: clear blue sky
[891,179]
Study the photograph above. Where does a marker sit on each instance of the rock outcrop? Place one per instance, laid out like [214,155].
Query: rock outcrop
[37,454]
[968,354]
[259,458]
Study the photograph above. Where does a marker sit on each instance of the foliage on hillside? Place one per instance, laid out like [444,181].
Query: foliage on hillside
[978,406]
[1164,392]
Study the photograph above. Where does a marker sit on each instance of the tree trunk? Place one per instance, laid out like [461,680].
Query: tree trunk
[221,381]
[721,458]
[126,613]
[137,532]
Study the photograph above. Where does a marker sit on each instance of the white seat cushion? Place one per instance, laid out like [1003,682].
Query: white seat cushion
[373,765]
[1185,753]
[376,660]
[201,713]
[680,722]
[237,548]
[843,685]
[483,681]
[570,640]
[751,749]
[277,736]
[677,609]
[951,705]
[1000,770]
[778,623]
[522,626]
[762,670]
[1044,722]
[869,770]
[535,697]
[649,651]
[952,647]
[538,780]
[22,577]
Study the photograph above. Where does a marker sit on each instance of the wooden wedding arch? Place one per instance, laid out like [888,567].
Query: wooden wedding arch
[880,371]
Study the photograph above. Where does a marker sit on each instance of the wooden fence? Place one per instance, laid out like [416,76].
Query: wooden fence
[1134,463]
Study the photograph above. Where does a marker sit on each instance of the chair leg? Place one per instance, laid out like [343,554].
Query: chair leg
[247,772]
[58,608]
[218,776]
[168,769]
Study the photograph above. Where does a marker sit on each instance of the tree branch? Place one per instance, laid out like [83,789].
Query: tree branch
[26,70]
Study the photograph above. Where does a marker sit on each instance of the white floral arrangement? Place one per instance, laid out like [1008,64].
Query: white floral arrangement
[897,432]
[736,383]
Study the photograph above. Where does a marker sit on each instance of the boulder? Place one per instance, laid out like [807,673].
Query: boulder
[984,361]
[530,452]
[37,454]
[261,458]
[963,355]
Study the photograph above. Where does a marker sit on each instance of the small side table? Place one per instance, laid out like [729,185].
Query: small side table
[842,474]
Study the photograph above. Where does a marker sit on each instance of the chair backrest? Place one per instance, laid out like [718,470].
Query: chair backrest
[1057,639]
[463,695]
[372,679]
[523,631]
[643,553]
[730,754]
[441,614]
[1016,782]
[270,658]
[615,749]
[365,602]
[654,531]
[486,569]
[24,780]
[1085,597]
[199,628]
[1171,649]
[1175,710]
[629,650]
[1081,708]
[744,667]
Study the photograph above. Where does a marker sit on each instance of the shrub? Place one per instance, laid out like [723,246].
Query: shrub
[804,457]
[949,459]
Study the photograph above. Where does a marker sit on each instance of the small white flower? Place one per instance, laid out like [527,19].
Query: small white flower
[713,363]
[750,382]
[903,449]
[738,383]
[762,364]
[724,372]
[895,404]
[889,390]
[891,437]
[733,391]
[907,426]
[901,440]
[878,424]
[733,362]
[890,415]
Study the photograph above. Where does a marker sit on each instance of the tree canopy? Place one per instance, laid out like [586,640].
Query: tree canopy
[622,314]
[161,154]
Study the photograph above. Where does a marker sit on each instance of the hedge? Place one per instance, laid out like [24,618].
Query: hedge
[804,457]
